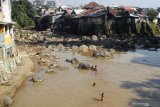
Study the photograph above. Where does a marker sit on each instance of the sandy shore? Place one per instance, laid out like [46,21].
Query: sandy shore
[18,76]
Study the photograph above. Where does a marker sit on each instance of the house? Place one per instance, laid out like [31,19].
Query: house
[89,22]
[130,9]
[142,18]
[78,11]
[93,5]
[158,15]
[7,45]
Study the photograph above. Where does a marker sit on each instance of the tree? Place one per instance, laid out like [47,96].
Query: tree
[152,14]
[23,13]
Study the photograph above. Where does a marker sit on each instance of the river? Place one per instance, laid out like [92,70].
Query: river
[124,78]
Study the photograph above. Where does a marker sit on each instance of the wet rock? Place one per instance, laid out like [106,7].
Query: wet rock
[101,53]
[84,66]
[94,38]
[8,101]
[83,48]
[73,61]
[112,51]
[37,78]
[92,48]
[50,71]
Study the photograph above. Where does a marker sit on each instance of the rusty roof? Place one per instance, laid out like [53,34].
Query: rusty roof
[91,5]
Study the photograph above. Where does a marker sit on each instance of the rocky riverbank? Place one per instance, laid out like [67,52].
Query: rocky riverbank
[18,76]
[117,42]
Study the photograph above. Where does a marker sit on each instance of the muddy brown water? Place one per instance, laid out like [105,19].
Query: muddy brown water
[118,78]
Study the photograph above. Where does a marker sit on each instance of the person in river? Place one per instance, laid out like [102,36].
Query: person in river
[102,97]
[94,68]
[94,84]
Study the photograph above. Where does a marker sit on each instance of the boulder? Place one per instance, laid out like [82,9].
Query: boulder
[74,47]
[85,38]
[92,48]
[94,38]
[37,78]
[112,51]
[60,46]
[84,66]
[101,53]
[7,101]
[83,48]
[73,61]
[50,71]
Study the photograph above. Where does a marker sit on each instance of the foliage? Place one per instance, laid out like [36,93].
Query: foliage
[23,13]
[149,28]
[152,14]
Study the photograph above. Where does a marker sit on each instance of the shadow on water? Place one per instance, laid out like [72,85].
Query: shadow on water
[148,91]
[150,58]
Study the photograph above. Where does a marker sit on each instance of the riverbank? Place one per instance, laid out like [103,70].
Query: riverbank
[18,76]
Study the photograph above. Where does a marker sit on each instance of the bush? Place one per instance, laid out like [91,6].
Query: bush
[23,13]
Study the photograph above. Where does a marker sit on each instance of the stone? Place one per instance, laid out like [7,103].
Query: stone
[8,101]
[85,38]
[37,78]
[83,48]
[74,47]
[92,48]
[60,46]
[94,38]
[73,61]
[112,51]
[152,49]
[101,53]
[84,66]
[50,71]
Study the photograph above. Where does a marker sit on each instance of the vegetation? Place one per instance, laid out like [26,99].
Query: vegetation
[152,14]
[23,13]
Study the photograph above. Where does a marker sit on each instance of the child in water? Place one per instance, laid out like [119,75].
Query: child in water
[102,96]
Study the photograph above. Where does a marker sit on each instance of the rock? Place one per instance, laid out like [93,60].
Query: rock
[37,78]
[112,51]
[50,71]
[84,66]
[73,61]
[7,101]
[152,49]
[92,48]
[42,62]
[60,46]
[85,38]
[74,47]
[94,38]
[103,37]
[83,48]
[102,53]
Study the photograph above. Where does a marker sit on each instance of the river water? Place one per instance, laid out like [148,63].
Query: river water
[124,78]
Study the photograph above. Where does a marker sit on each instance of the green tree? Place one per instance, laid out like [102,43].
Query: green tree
[23,13]
[152,14]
